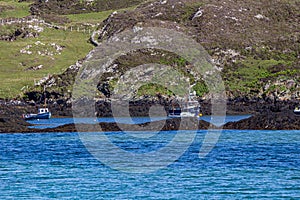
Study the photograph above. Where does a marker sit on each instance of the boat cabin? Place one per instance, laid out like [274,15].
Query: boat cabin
[297,111]
[43,110]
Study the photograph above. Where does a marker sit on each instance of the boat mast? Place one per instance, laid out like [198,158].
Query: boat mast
[191,86]
[44,97]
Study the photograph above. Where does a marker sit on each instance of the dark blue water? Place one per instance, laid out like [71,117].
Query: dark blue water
[243,164]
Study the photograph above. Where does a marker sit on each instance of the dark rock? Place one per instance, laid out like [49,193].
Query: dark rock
[268,121]
[169,124]
[263,117]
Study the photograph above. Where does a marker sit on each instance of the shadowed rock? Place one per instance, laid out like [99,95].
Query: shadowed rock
[268,121]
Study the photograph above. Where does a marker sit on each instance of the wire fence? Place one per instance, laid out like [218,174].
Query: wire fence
[37,20]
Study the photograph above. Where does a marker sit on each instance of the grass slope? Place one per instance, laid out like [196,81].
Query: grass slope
[254,43]
[9,8]
[15,66]
[14,73]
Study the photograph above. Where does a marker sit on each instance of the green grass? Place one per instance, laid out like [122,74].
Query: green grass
[7,29]
[93,17]
[13,67]
[250,72]
[153,89]
[13,73]
[14,9]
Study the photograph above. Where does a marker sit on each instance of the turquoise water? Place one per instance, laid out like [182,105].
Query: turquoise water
[243,164]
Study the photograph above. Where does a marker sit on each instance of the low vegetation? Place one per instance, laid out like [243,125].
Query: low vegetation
[19,69]
[66,7]
[254,43]
[10,8]
[28,55]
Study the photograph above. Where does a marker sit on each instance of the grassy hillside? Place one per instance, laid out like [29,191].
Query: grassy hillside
[92,18]
[26,59]
[15,67]
[256,44]
[32,51]
[9,8]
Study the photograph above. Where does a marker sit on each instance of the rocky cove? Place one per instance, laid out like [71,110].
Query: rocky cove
[265,116]
[254,45]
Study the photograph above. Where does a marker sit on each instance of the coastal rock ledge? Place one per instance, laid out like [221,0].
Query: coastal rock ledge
[268,121]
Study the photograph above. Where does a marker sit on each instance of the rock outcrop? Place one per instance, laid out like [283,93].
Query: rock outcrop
[268,121]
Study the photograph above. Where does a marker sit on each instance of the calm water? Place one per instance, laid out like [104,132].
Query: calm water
[55,122]
[243,164]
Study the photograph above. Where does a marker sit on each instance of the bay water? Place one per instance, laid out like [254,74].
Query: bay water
[246,164]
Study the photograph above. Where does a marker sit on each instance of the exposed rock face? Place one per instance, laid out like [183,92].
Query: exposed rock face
[11,118]
[221,22]
[18,32]
[268,121]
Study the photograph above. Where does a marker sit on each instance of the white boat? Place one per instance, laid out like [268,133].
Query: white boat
[43,113]
[297,111]
[189,108]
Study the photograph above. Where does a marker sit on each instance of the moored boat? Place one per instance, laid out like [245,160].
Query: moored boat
[297,111]
[43,113]
[189,108]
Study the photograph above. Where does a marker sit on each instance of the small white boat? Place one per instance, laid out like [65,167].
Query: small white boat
[297,111]
[43,113]
[189,108]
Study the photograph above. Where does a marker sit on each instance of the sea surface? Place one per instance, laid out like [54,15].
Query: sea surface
[242,165]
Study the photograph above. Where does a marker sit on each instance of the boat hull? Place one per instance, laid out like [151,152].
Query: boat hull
[184,114]
[46,115]
[192,112]
[297,112]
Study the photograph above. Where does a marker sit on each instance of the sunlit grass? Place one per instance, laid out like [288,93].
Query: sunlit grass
[14,9]
[94,17]
[14,73]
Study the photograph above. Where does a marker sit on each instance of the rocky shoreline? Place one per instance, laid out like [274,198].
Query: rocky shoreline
[273,116]
[268,121]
